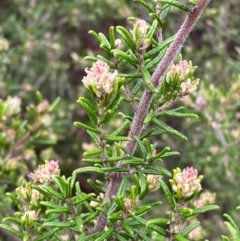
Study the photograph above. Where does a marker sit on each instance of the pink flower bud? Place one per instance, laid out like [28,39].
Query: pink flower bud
[45,173]
[99,79]
[185,183]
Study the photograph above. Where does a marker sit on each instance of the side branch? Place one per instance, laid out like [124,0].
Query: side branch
[143,107]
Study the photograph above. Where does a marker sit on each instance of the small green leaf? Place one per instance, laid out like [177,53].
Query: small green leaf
[158,221]
[153,29]
[190,228]
[15,200]
[169,129]
[61,224]
[116,138]
[52,192]
[143,185]
[95,35]
[156,60]
[105,235]
[156,170]
[112,37]
[176,4]
[122,127]
[12,230]
[201,210]
[77,200]
[54,104]
[147,6]
[141,146]
[127,37]
[60,210]
[179,237]
[86,127]
[179,114]
[46,235]
[168,194]
[89,169]
[141,235]
[130,59]
[158,229]
[93,152]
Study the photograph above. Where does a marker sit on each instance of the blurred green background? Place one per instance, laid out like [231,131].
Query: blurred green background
[42,46]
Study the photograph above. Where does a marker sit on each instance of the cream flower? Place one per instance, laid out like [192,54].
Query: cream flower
[99,79]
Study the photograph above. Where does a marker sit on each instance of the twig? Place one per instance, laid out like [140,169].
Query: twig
[143,107]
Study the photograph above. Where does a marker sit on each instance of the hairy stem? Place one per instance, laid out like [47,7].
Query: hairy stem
[143,107]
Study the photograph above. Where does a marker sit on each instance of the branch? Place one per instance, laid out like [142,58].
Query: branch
[143,107]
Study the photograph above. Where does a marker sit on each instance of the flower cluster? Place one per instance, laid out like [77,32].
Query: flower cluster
[206,198]
[99,79]
[153,182]
[186,183]
[45,173]
[140,28]
[180,76]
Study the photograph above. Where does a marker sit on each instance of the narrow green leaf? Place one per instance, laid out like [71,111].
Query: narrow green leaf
[54,104]
[119,237]
[89,104]
[77,200]
[225,238]
[171,153]
[176,4]
[137,86]
[39,96]
[141,235]
[179,114]
[155,16]
[156,60]
[231,220]
[122,127]
[89,169]
[127,37]
[162,152]
[61,185]
[105,234]
[156,170]
[190,228]
[86,127]
[61,224]
[15,200]
[160,47]
[147,6]
[141,146]
[168,194]
[117,158]
[153,29]
[143,185]
[12,219]
[94,137]
[115,169]
[95,186]
[179,237]
[201,210]
[46,235]
[118,53]
[169,129]
[53,192]
[93,152]
[158,221]
[116,138]
[112,37]
[158,229]
[60,210]
[12,230]
[95,35]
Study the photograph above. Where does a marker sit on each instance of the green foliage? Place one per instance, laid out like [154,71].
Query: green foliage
[127,169]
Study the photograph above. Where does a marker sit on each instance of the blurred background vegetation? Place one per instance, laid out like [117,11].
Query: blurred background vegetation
[42,48]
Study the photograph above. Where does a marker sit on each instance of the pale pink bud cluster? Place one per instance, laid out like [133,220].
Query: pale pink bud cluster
[186,182]
[28,218]
[99,79]
[153,182]
[206,198]
[13,105]
[140,28]
[45,173]
[197,234]
[182,72]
